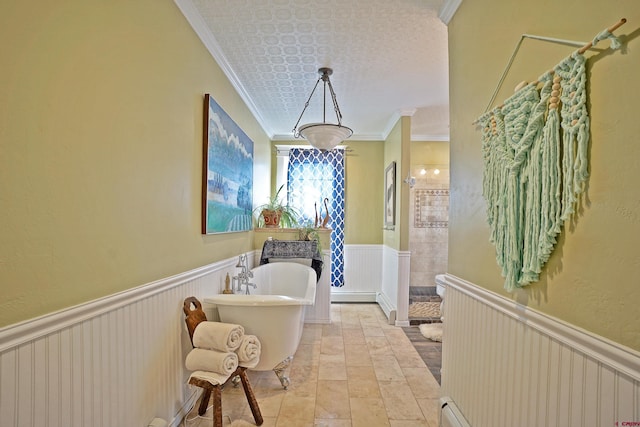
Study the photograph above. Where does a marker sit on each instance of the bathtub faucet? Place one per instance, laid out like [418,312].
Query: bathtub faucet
[243,279]
[246,284]
[244,275]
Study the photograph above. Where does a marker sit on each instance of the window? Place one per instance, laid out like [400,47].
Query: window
[315,180]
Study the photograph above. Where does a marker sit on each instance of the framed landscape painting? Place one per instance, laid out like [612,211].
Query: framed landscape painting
[390,196]
[227,173]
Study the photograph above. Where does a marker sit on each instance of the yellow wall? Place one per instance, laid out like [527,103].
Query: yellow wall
[100,150]
[364,162]
[401,187]
[364,193]
[397,148]
[392,153]
[591,280]
[430,153]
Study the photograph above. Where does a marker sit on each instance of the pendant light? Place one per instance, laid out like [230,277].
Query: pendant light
[323,136]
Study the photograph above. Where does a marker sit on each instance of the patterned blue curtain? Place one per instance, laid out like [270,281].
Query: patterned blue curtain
[312,177]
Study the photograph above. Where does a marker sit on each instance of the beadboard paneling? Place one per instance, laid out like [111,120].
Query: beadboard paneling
[362,274]
[117,361]
[506,365]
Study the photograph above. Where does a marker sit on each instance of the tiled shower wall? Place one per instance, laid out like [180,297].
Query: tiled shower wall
[429,224]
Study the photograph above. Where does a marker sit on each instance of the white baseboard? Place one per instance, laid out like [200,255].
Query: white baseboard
[353,296]
[318,321]
[386,307]
[186,407]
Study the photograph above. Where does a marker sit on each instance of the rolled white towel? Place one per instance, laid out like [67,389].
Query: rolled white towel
[249,351]
[213,377]
[200,359]
[218,336]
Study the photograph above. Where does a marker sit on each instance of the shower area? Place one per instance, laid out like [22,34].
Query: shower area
[428,228]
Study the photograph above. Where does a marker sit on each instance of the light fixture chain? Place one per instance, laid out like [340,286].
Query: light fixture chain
[324,98]
[296,134]
[335,103]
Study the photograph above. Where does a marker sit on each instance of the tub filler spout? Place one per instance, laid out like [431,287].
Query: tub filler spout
[243,277]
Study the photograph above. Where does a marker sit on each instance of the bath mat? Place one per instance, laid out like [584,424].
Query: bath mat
[432,331]
[424,309]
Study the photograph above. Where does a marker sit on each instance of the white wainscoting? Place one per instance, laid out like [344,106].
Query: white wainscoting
[362,274]
[377,273]
[116,361]
[320,312]
[393,297]
[507,365]
[389,286]
[403,279]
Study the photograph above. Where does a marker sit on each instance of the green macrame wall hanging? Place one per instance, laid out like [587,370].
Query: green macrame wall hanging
[535,152]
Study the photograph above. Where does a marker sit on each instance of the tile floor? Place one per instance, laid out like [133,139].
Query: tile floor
[429,351]
[356,371]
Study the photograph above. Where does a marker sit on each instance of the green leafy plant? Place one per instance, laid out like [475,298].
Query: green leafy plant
[276,213]
[308,232]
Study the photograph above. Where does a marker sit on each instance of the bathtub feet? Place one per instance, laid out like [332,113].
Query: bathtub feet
[279,370]
[235,381]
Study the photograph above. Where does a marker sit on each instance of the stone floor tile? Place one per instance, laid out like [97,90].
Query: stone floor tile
[357,355]
[368,412]
[364,388]
[333,422]
[332,400]
[399,401]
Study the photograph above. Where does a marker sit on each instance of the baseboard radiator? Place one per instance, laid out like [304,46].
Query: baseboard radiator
[504,364]
[450,414]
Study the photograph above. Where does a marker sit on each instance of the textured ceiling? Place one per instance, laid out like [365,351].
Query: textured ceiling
[389,58]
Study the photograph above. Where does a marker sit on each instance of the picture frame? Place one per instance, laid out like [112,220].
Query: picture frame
[227,173]
[390,196]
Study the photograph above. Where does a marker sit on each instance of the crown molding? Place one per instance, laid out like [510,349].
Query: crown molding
[448,9]
[429,138]
[407,112]
[354,137]
[200,27]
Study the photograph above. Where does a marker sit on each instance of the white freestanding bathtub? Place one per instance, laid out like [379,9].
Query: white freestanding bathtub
[274,311]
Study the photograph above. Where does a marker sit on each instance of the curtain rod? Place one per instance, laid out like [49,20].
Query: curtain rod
[583,49]
[283,150]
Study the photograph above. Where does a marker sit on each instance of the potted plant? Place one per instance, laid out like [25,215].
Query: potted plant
[275,213]
[308,232]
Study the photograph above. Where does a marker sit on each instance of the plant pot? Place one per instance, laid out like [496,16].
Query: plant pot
[303,234]
[271,218]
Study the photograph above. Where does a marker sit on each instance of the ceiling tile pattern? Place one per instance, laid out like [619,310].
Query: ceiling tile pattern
[386,55]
